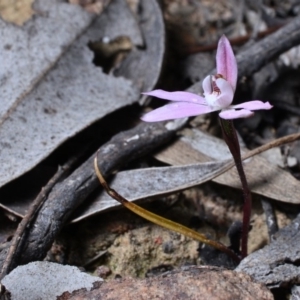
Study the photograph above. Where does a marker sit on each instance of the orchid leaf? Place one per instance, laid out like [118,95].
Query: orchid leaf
[164,181]
[158,220]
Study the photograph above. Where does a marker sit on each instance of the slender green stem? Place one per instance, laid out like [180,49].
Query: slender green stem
[160,220]
[232,142]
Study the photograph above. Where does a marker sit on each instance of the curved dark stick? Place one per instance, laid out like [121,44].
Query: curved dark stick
[68,195]
[34,208]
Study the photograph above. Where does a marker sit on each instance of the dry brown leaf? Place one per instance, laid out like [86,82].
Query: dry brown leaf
[75,93]
[141,184]
[44,104]
[263,177]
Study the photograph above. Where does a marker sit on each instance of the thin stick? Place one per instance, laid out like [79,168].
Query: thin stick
[38,202]
[236,41]
[160,220]
[278,142]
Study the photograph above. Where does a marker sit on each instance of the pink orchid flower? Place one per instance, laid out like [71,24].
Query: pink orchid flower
[218,94]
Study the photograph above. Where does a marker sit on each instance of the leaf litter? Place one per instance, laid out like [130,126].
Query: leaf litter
[165,180]
[168,180]
[190,145]
[270,181]
[74,94]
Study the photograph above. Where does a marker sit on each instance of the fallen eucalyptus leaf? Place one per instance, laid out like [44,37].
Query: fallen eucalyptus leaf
[143,66]
[264,178]
[135,184]
[46,280]
[109,27]
[71,96]
[18,207]
[166,180]
[28,52]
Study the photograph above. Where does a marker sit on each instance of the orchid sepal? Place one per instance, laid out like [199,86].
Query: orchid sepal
[177,96]
[176,111]
[226,62]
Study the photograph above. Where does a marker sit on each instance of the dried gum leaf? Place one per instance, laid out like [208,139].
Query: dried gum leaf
[264,178]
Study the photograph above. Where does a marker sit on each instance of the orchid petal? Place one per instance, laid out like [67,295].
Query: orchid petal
[226,96]
[235,114]
[206,85]
[177,96]
[253,105]
[226,62]
[176,111]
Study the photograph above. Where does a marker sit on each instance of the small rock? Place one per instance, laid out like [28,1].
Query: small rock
[103,271]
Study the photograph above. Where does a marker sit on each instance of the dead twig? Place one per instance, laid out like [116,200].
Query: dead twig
[33,210]
[237,41]
[276,143]
[267,49]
